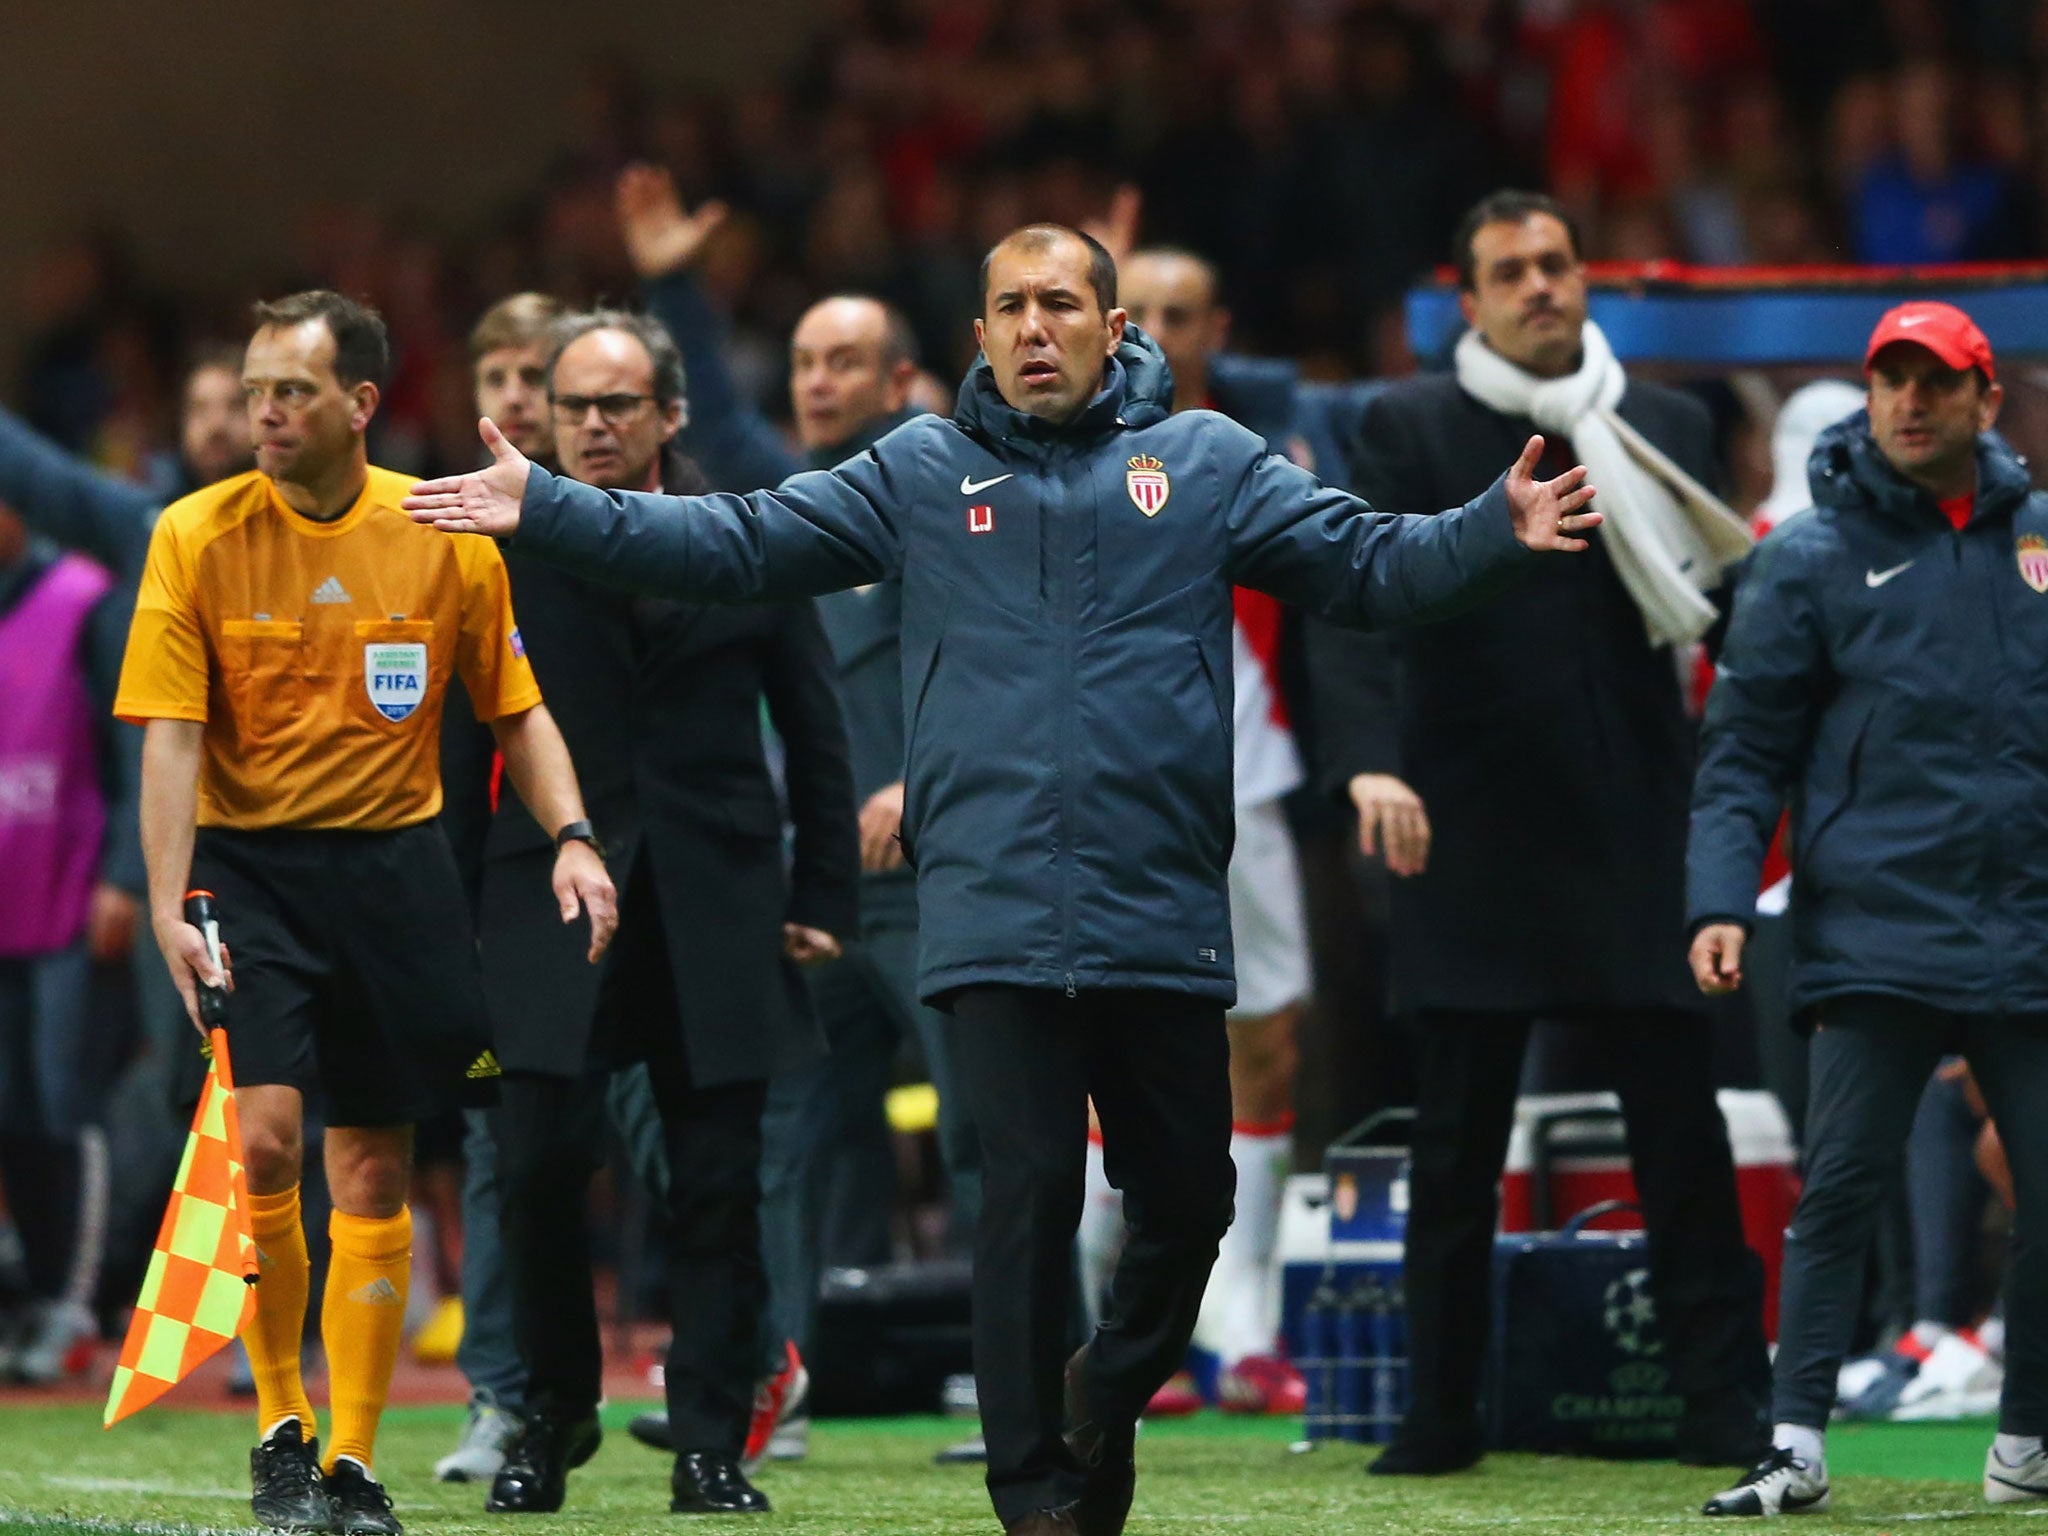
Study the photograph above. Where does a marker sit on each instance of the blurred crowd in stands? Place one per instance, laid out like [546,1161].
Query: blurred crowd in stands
[1318,150]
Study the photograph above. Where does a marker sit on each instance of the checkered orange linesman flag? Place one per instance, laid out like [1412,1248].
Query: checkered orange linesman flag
[201,1286]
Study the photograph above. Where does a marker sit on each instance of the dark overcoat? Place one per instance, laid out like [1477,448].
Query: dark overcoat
[1547,738]
[660,703]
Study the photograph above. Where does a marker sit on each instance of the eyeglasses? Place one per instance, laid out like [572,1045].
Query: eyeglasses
[613,408]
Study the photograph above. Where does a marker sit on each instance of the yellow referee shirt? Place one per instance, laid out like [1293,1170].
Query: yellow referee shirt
[317,653]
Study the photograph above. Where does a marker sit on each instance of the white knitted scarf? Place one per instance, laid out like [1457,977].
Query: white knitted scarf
[1670,538]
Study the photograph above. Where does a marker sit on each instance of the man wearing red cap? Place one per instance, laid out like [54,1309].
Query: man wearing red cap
[1886,675]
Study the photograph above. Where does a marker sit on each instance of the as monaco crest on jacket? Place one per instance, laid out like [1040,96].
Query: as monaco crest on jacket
[2031,550]
[1146,481]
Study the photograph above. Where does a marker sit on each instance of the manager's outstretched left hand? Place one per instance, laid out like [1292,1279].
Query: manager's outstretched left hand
[1546,512]
[487,500]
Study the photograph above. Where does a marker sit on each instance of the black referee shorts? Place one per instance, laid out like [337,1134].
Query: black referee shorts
[356,976]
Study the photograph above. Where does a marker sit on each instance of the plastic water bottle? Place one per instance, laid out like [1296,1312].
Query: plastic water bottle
[1354,1351]
[1397,1346]
[1386,1410]
[1317,1360]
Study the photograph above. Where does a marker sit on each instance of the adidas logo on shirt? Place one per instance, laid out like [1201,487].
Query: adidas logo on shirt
[331,591]
[380,1292]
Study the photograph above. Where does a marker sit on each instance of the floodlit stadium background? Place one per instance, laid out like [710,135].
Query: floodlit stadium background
[162,167]
[433,156]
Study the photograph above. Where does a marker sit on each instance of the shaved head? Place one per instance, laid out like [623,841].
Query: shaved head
[1172,295]
[852,360]
[1042,240]
[1194,274]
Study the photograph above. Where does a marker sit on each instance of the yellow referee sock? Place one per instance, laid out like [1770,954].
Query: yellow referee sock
[361,1318]
[274,1333]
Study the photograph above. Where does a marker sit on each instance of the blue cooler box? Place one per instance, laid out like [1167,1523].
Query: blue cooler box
[1576,1363]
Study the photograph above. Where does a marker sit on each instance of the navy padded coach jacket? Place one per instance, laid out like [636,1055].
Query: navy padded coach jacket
[1066,647]
[1888,676]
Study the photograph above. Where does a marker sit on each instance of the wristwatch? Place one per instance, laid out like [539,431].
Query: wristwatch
[579,832]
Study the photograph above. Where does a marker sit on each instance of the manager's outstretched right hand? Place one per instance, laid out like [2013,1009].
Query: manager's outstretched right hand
[483,501]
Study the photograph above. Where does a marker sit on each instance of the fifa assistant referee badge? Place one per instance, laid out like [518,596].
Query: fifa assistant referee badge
[579,832]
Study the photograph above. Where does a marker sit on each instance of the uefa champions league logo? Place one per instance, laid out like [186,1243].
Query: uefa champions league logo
[1630,1314]
[1637,1406]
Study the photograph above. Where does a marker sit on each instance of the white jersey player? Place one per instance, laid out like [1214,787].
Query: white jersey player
[1239,1321]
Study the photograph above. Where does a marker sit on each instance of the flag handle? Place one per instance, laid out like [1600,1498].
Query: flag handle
[202,914]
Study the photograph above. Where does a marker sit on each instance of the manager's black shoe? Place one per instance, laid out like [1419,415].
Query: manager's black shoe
[1723,1429]
[287,1492]
[1427,1455]
[652,1429]
[535,1477]
[1106,1449]
[361,1506]
[706,1483]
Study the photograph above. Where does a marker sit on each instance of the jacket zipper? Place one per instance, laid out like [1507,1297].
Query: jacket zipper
[1993,746]
[1066,619]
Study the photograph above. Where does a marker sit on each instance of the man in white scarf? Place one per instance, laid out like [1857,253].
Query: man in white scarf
[1670,538]
[1565,907]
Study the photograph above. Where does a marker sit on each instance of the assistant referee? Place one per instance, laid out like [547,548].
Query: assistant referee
[292,640]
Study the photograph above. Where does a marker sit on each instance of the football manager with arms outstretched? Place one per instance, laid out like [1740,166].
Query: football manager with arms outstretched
[1067,548]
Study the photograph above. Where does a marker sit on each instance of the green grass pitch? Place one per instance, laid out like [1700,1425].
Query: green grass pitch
[168,1472]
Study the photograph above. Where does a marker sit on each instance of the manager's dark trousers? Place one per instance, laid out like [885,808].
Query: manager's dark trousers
[1157,1065]
[549,1132]
[1871,1057]
[1708,1286]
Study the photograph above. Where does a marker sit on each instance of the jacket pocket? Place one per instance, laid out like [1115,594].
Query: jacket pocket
[263,668]
[1216,670]
[1153,830]
[914,782]
[1820,819]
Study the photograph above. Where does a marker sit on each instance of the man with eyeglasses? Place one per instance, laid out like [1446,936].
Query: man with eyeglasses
[660,705]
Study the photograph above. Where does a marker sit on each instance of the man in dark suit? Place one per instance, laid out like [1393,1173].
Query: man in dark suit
[827,1164]
[662,702]
[1564,905]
